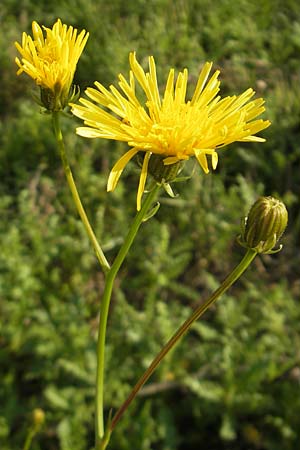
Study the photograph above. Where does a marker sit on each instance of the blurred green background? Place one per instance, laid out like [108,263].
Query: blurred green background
[234,382]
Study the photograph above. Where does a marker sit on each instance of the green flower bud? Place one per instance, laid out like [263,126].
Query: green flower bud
[48,99]
[58,99]
[162,173]
[264,225]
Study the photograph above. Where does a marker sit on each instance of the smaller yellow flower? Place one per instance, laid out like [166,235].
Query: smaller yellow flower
[50,59]
[168,128]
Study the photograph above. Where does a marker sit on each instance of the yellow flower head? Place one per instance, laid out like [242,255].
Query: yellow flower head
[168,126]
[50,59]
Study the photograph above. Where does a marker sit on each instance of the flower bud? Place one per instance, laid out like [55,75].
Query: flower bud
[163,173]
[49,100]
[38,417]
[264,225]
[58,98]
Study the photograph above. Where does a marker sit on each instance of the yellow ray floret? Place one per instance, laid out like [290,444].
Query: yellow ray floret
[168,125]
[50,57]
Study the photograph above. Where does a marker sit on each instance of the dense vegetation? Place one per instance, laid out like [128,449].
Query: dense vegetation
[233,382]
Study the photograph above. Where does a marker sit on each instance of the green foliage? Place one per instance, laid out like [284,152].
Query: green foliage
[233,382]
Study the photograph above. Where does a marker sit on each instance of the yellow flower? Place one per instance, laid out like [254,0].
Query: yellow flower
[51,60]
[168,126]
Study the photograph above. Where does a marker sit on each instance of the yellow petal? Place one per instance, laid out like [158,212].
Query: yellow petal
[170,160]
[88,132]
[202,160]
[118,168]
[214,160]
[201,81]
[142,181]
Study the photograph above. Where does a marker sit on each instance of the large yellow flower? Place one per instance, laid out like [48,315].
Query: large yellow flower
[51,60]
[169,126]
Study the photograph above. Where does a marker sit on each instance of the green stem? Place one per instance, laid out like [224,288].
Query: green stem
[67,169]
[110,277]
[231,278]
[32,432]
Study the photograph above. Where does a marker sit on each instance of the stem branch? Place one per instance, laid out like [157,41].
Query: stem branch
[69,176]
[231,278]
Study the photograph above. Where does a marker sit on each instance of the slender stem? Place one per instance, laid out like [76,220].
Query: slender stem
[110,277]
[31,433]
[231,278]
[28,441]
[98,250]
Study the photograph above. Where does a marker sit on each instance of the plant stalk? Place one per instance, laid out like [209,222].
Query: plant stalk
[104,309]
[69,176]
[29,439]
[231,278]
